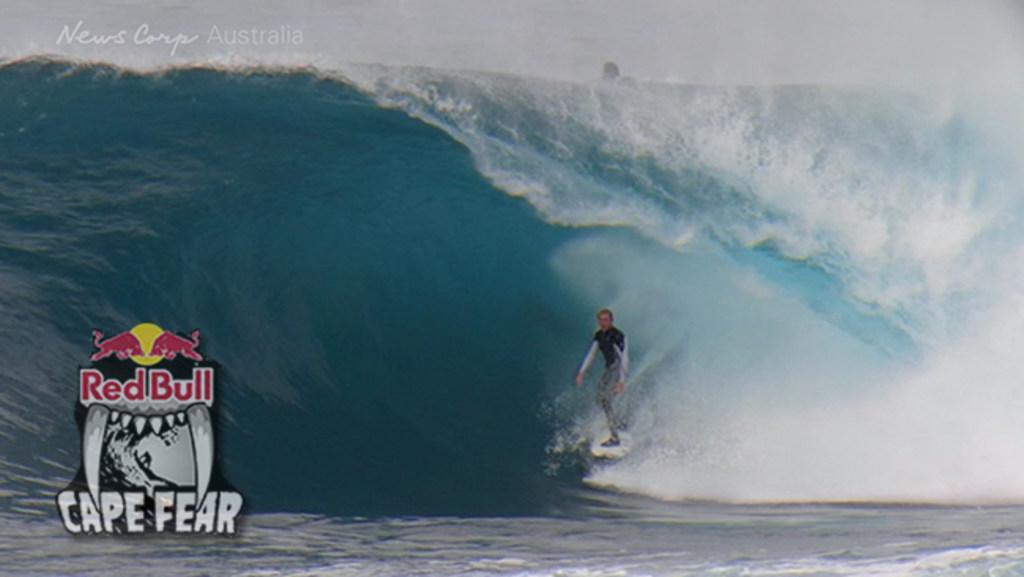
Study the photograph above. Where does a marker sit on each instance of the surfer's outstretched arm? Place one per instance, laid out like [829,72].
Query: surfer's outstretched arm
[587,361]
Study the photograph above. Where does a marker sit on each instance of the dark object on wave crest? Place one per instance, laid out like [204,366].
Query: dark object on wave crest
[610,71]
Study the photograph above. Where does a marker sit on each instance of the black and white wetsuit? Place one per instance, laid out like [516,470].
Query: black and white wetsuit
[612,345]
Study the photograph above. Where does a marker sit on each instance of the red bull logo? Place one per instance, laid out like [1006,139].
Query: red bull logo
[145,410]
[146,344]
[152,385]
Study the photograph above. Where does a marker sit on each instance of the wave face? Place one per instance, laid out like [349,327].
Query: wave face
[820,285]
[381,313]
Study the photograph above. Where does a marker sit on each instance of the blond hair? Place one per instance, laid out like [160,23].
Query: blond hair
[608,312]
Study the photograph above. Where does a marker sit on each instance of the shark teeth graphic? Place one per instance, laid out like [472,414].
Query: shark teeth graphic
[202,443]
[92,448]
[200,427]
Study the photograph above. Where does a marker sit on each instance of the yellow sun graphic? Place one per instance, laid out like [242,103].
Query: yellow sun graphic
[147,334]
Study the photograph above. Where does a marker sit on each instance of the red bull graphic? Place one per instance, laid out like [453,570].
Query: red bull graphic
[170,345]
[122,346]
[145,410]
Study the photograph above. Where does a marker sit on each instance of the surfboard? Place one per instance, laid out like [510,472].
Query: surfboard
[617,452]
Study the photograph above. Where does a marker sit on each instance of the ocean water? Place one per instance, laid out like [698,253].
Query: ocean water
[615,537]
[396,269]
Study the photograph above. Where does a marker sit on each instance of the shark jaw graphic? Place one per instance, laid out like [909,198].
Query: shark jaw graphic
[100,419]
[121,414]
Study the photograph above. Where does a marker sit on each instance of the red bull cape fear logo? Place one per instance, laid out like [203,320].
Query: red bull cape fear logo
[144,410]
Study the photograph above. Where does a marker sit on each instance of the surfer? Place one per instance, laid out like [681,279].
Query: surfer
[612,343]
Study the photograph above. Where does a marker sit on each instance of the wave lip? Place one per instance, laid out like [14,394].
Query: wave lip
[890,193]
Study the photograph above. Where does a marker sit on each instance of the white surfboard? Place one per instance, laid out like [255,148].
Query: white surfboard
[616,452]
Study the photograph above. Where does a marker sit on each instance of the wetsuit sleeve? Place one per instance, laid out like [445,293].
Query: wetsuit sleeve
[623,359]
[589,359]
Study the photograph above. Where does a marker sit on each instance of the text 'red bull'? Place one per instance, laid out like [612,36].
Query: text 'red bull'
[153,385]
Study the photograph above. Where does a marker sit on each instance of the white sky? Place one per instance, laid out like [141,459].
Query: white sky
[803,41]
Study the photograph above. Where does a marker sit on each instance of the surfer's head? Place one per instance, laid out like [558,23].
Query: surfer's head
[605,318]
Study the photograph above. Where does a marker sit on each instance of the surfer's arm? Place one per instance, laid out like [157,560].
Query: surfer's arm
[623,364]
[624,356]
[587,361]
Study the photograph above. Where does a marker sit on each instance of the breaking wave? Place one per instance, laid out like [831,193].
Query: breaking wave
[821,285]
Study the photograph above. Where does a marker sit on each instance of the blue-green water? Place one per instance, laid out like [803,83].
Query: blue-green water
[382,314]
